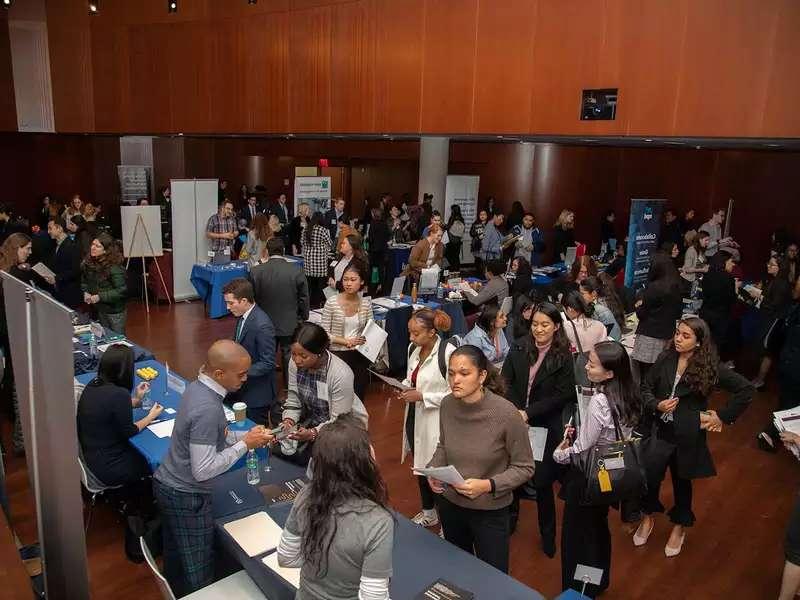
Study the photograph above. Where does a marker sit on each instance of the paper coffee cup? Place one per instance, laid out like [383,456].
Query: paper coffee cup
[240,410]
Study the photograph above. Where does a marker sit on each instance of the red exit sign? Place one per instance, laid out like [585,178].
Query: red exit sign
[323,162]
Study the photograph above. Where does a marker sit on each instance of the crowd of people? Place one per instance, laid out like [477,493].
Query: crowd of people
[547,385]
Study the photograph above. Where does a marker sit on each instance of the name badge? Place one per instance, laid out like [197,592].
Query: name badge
[322,390]
[333,263]
[614,463]
[333,221]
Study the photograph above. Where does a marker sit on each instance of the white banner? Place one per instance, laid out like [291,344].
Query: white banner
[463,191]
[314,191]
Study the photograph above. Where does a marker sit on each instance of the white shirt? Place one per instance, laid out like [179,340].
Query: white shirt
[211,384]
[351,326]
[244,318]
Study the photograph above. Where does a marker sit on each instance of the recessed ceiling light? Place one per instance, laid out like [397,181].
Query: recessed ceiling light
[647,140]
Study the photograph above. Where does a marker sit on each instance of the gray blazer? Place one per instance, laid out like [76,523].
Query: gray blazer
[495,290]
[281,291]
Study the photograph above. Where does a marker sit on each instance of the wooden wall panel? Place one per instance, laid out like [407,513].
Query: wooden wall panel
[504,66]
[310,73]
[149,79]
[781,117]
[228,86]
[448,77]
[723,80]
[189,94]
[353,67]
[399,60]
[8,108]
[111,78]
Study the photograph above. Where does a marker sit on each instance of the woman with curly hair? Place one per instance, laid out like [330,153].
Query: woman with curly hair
[675,393]
[103,282]
[260,233]
[340,531]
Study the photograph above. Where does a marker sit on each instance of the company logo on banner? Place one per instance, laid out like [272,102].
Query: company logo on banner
[643,232]
[314,191]
[463,191]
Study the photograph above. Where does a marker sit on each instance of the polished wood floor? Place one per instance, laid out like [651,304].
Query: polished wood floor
[735,550]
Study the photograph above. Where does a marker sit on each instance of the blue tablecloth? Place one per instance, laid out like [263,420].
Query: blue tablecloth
[397,258]
[152,447]
[209,280]
[84,363]
[419,557]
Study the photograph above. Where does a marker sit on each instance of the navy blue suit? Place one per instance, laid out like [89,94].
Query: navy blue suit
[258,392]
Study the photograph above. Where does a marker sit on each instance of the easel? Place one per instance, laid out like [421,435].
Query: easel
[140,221]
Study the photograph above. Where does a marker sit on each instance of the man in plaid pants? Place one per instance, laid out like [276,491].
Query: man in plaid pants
[201,448]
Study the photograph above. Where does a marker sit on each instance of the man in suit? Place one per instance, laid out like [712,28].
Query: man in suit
[256,334]
[280,210]
[335,217]
[65,262]
[249,212]
[281,290]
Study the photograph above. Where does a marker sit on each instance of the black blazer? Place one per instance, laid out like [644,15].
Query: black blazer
[552,390]
[330,222]
[694,458]
[562,239]
[244,213]
[719,296]
[281,292]
[661,308]
[258,338]
[281,211]
[65,262]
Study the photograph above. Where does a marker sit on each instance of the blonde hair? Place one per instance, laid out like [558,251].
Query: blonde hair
[563,218]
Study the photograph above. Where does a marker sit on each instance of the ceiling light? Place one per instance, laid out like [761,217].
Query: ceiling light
[172,6]
[93,6]
[252,1]
[6,3]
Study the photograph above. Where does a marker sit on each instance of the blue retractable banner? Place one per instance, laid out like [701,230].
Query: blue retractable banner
[643,232]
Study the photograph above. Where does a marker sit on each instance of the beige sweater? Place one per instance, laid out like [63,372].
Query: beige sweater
[333,318]
[485,440]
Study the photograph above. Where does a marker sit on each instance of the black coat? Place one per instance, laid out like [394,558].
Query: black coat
[661,307]
[244,213]
[330,221]
[719,296]
[65,262]
[562,239]
[694,457]
[552,390]
[281,291]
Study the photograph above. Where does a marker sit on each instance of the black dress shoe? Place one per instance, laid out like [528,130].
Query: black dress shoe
[549,547]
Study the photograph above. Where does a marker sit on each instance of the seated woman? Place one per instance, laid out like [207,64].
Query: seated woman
[105,420]
[427,252]
[582,268]
[350,250]
[520,280]
[582,330]
[591,290]
[320,389]
[340,531]
[489,334]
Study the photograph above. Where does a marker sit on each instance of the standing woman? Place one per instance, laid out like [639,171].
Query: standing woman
[103,282]
[476,232]
[320,388]
[350,251]
[564,234]
[316,246]
[344,318]
[481,435]
[378,237]
[694,260]
[540,377]
[298,226]
[421,421]
[520,278]
[455,233]
[585,538]
[582,327]
[340,531]
[73,209]
[719,297]
[257,238]
[591,290]
[659,306]
[676,391]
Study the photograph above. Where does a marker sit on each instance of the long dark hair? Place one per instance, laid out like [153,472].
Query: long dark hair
[560,344]
[622,389]
[316,219]
[585,260]
[312,337]
[343,471]
[8,251]
[487,317]
[520,325]
[575,301]
[608,292]
[494,382]
[662,270]
[701,372]
[112,256]
[717,262]
[455,215]
[115,368]
[358,249]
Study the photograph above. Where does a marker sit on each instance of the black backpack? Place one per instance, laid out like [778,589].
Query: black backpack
[453,341]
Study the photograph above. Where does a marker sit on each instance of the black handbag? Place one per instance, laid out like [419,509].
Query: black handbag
[613,472]
[580,359]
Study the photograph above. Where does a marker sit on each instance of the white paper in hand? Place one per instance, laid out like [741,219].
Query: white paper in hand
[329,292]
[255,534]
[392,381]
[376,337]
[289,574]
[537,436]
[42,270]
[448,474]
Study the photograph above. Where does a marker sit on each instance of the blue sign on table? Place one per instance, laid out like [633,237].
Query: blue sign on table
[643,232]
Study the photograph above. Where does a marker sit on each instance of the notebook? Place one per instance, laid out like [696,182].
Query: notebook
[255,534]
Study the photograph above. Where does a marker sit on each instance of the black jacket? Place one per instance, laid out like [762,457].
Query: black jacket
[65,262]
[244,213]
[789,357]
[281,291]
[694,458]
[661,307]
[552,390]
[330,221]
[562,239]
[719,296]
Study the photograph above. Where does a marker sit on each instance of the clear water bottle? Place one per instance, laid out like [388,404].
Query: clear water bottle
[253,476]
[92,345]
[439,291]
[147,400]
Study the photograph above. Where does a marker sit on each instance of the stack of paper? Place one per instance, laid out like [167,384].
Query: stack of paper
[788,420]
[290,575]
[255,534]
[387,303]
[315,316]
[162,429]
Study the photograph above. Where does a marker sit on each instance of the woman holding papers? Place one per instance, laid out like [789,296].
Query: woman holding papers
[429,383]
[340,531]
[489,334]
[320,389]
[483,438]
[585,538]
[427,252]
[541,382]
[344,318]
[676,392]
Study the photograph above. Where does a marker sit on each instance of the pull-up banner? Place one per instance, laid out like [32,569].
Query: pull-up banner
[643,232]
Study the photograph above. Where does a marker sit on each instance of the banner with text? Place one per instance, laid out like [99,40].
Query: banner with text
[314,191]
[643,232]
[462,190]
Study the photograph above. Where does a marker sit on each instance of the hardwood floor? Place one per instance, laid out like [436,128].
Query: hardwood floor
[735,549]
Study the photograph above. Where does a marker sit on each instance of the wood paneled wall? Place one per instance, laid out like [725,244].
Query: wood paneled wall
[8,107]
[686,68]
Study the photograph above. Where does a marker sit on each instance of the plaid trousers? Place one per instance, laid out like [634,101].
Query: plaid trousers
[188,529]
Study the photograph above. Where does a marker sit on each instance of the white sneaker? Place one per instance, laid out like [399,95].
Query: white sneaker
[426,520]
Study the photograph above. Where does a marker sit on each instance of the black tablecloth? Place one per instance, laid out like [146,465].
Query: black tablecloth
[420,557]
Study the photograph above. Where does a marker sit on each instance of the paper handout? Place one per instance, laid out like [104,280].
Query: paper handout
[329,292]
[376,337]
[43,270]
[392,381]
[448,474]
[289,574]
[506,306]
[255,534]
[397,286]
[537,436]
[162,429]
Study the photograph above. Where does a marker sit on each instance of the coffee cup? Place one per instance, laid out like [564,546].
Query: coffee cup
[240,410]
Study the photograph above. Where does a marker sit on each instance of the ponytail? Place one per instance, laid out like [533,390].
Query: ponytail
[433,319]
[494,381]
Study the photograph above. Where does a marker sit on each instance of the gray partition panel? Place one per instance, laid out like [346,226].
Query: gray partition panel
[40,334]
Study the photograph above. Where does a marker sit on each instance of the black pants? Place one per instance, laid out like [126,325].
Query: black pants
[585,540]
[315,287]
[426,494]
[681,513]
[792,543]
[264,415]
[452,253]
[482,532]
[546,512]
[359,364]
[285,343]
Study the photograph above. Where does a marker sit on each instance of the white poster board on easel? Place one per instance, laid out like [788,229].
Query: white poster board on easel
[314,191]
[144,240]
[193,203]
[463,191]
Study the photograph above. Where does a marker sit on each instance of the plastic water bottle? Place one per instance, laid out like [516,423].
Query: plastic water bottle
[253,476]
[439,291]
[92,345]
[147,400]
